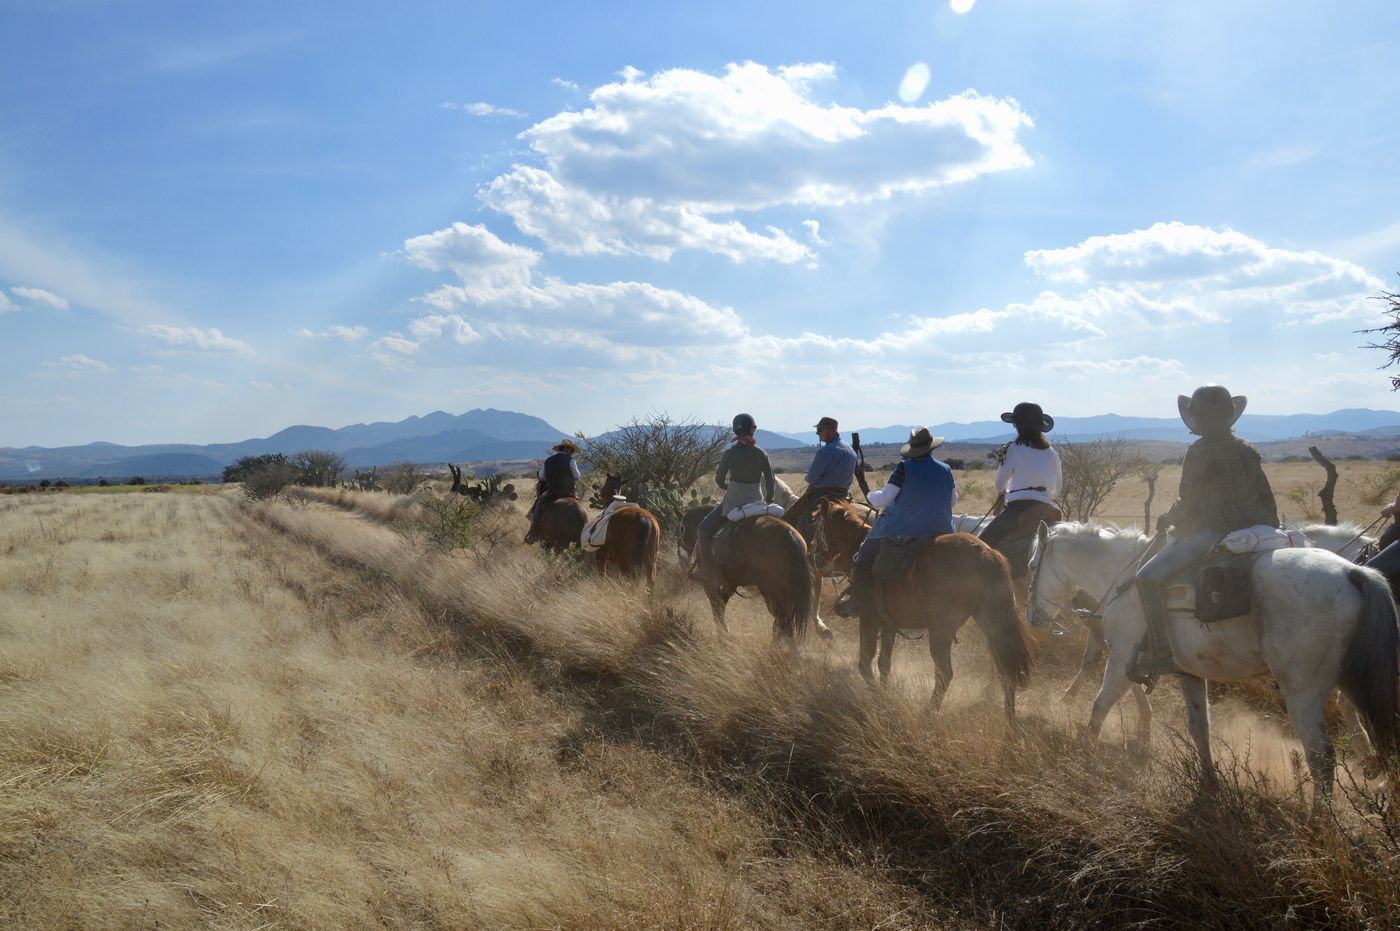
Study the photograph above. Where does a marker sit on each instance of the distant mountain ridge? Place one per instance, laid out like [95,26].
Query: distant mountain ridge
[486,434]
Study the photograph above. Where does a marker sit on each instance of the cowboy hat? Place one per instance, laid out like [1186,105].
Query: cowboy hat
[1210,402]
[566,446]
[920,443]
[1029,415]
[826,422]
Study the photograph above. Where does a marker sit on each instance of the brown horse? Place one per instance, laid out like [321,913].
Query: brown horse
[561,524]
[954,577]
[634,536]
[765,553]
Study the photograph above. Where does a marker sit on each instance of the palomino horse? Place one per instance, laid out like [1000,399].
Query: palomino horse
[1318,624]
[633,538]
[953,577]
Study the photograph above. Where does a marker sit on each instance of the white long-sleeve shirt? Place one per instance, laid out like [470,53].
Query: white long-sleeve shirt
[1026,469]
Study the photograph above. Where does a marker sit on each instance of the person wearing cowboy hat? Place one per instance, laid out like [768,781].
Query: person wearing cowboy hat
[917,503]
[830,475]
[1029,476]
[1223,488]
[558,478]
[746,477]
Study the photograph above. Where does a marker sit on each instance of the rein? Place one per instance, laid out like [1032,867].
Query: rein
[1363,532]
[1082,614]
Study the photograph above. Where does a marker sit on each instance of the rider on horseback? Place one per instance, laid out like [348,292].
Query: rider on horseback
[830,475]
[558,477]
[746,477]
[1223,488]
[1028,478]
[917,499]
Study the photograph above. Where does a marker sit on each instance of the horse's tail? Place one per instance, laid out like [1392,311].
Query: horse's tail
[789,598]
[1003,624]
[645,547]
[1371,667]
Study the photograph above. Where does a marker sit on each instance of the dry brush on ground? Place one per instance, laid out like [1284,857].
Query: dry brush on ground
[296,715]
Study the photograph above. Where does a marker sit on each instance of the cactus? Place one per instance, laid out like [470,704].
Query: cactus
[493,489]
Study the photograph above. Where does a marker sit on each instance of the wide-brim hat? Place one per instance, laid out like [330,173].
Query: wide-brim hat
[920,442]
[1210,401]
[826,423]
[566,446]
[1029,414]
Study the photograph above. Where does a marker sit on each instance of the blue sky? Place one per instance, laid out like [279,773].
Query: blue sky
[219,221]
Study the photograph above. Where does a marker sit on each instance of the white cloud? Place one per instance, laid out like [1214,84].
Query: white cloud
[194,338]
[662,163]
[41,297]
[7,305]
[1146,365]
[484,110]
[567,85]
[349,334]
[1183,271]
[76,365]
[434,325]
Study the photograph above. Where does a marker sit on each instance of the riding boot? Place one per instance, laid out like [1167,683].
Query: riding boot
[535,513]
[857,595]
[1153,657]
[704,559]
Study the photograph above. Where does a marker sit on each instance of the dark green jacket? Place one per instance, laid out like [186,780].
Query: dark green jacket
[748,464]
[1223,487]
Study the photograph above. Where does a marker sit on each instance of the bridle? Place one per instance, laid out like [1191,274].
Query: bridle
[1034,599]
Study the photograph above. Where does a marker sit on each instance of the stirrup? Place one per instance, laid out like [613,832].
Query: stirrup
[847,604]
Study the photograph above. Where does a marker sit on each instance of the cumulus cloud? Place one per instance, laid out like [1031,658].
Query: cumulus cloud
[194,338]
[7,305]
[349,334]
[663,163]
[1146,365]
[40,297]
[1179,270]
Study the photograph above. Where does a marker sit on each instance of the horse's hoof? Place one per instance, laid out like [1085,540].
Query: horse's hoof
[825,632]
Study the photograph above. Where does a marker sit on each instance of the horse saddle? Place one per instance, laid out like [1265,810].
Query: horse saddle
[1217,588]
[1030,518]
[896,557]
[722,543]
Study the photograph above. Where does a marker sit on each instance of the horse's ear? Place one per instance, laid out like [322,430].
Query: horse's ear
[1042,533]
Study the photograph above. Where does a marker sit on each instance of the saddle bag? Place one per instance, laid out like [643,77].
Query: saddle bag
[1223,590]
[896,557]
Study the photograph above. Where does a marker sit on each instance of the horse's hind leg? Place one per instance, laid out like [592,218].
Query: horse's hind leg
[869,631]
[942,652]
[1193,689]
[1144,710]
[886,651]
[717,603]
[1359,738]
[1305,714]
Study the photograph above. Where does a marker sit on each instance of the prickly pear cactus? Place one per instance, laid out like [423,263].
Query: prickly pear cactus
[488,491]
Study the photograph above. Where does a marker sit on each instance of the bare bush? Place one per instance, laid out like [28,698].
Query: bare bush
[318,468]
[1091,470]
[269,479]
[661,458]
[401,478]
[446,521]
[1389,334]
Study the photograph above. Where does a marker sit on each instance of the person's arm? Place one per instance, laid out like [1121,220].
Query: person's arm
[1059,478]
[722,473]
[1004,472]
[952,479]
[883,497]
[767,478]
[573,467]
[1267,503]
[821,464]
[541,472]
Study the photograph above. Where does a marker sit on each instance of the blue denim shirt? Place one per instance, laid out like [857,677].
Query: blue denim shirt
[834,465]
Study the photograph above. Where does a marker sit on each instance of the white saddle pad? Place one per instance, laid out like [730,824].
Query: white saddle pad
[595,532]
[756,509]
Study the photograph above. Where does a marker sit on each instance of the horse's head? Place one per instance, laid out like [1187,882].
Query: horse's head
[612,485]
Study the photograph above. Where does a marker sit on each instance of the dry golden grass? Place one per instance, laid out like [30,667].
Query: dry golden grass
[204,724]
[303,719]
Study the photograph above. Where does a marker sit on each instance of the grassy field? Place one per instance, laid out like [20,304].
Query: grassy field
[291,715]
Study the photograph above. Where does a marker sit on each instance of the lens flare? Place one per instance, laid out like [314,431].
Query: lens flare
[915,82]
[961,6]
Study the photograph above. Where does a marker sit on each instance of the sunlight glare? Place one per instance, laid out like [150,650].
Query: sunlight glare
[961,6]
[915,82]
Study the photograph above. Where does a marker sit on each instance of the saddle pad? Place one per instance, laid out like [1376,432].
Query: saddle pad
[755,509]
[595,532]
[1262,538]
[896,557]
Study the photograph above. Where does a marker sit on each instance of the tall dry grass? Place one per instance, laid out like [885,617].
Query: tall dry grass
[1030,829]
[204,723]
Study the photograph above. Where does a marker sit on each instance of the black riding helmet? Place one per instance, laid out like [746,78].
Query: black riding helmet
[744,425]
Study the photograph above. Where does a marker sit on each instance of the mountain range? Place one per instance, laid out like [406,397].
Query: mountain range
[487,434]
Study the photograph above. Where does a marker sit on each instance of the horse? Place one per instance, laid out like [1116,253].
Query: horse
[953,576]
[1318,624]
[633,537]
[560,525]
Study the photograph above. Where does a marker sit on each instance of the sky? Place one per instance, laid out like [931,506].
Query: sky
[218,220]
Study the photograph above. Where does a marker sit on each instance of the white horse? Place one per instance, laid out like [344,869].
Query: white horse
[1319,623]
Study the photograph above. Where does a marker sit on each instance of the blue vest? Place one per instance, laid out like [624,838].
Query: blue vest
[924,507]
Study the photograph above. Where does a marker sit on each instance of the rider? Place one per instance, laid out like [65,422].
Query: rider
[830,475]
[1223,488]
[1387,558]
[558,477]
[1029,476]
[745,476]
[917,499]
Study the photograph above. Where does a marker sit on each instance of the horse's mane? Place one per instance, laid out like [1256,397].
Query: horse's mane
[1078,530]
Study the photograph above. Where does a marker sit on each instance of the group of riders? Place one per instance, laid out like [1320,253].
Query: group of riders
[1223,489]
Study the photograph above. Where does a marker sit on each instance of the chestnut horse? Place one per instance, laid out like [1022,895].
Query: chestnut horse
[634,536]
[953,577]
